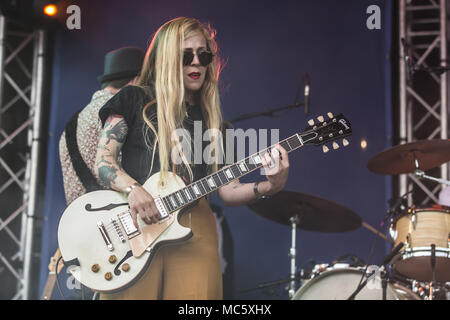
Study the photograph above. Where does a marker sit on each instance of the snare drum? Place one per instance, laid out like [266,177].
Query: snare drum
[339,284]
[418,229]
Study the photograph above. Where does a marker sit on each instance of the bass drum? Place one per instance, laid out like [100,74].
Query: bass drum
[339,284]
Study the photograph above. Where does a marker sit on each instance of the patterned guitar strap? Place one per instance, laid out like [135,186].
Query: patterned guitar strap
[84,174]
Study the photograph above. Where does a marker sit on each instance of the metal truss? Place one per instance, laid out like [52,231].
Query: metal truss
[423,87]
[21,75]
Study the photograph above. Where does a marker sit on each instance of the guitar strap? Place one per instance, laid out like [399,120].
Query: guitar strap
[84,174]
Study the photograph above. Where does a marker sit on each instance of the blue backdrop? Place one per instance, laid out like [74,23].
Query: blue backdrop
[268,45]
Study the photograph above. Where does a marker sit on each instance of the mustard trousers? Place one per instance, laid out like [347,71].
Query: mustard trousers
[187,271]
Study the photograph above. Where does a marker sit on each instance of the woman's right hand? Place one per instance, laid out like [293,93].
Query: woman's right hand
[141,203]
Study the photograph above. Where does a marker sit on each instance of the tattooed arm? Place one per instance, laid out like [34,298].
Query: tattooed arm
[111,141]
[111,173]
[237,194]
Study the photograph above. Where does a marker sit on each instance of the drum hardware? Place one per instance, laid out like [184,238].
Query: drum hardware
[301,275]
[294,275]
[357,261]
[382,270]
[396,207]
[292,254]
[339,283]
[384,282]
[393,208]
[433,269]
[306,212]
[421,174]
[413,221]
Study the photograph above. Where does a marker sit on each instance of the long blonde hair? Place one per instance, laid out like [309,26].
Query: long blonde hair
[162,72]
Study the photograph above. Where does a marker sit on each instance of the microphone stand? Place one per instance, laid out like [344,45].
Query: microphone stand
[266,113]
[384,281]
[361,286]
[298,276]
[386,261]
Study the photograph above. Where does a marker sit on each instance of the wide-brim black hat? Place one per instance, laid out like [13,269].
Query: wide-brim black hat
[122,63]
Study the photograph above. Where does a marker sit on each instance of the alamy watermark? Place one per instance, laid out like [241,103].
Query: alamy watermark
[73,21]
[237,145]
[374,20]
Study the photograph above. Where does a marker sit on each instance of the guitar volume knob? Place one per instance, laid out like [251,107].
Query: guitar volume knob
[108,276]
[112,259]
[95,268]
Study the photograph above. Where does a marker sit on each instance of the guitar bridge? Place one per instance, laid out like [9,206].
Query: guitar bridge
[105,236]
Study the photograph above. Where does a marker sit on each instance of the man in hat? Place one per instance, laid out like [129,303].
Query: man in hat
[78,142]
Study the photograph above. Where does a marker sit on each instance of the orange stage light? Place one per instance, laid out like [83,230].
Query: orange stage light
[50,10]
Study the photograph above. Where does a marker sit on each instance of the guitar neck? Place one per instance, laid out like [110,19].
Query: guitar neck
[212,182]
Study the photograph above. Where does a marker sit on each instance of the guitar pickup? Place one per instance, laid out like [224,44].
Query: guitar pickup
[126,220]
[163,213]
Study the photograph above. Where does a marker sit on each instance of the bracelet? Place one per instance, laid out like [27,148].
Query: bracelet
[257,194]
[130,188]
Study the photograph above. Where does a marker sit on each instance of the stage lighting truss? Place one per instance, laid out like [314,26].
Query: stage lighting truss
[21,75]
[423,87]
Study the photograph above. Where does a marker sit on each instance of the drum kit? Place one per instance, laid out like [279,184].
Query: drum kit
[417,268]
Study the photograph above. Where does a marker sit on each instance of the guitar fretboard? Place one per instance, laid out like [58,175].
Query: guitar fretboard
[208,184]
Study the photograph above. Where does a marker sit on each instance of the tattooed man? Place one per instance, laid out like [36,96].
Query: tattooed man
[78,142]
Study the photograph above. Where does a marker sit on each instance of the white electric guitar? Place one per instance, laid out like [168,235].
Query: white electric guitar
[105,251]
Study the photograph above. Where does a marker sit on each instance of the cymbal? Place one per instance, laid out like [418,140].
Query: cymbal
[313,213]
[400,159]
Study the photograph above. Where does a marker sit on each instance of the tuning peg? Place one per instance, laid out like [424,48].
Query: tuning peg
[311,122]
[325,149]
[345,142]
[321,119]
[330,115]
[335,145]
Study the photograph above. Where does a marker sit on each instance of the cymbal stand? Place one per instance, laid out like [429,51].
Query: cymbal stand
[292,255]
[421,174]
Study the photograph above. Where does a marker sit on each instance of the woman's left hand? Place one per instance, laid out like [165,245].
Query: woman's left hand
[276,166]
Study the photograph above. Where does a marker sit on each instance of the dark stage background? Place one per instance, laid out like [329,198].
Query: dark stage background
[268,45]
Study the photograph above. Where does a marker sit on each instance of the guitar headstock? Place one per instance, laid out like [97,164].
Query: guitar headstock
[327,129]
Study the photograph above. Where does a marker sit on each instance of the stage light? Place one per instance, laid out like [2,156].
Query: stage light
[50,10]
[34,13]
[363,144]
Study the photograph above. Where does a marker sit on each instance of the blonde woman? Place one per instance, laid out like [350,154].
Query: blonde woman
[178,85]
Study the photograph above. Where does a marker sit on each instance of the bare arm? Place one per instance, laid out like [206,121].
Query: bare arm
[237,194]
[111,173]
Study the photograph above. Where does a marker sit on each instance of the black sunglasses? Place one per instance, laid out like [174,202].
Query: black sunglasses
[204,57]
